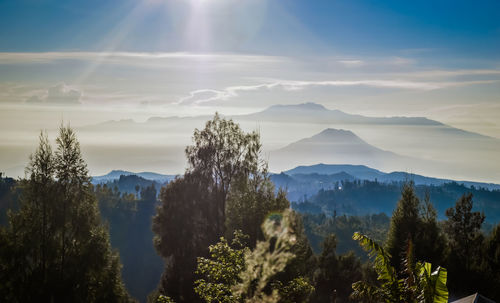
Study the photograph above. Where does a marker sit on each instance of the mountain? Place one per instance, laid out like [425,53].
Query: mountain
[317,113]
[358,171]
[316,172]
[368,197]
[300,186]
[444,150]
[336,146]
[115,175]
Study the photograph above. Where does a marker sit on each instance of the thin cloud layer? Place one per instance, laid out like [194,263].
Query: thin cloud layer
[60,94]
[202,96]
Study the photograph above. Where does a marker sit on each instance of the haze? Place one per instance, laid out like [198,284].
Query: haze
[89,62]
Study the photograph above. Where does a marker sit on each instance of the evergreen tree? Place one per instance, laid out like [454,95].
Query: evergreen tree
[55,248]
[404,225]
[335,274]
[491,264]
[326,275]
[465,240]
[416,223]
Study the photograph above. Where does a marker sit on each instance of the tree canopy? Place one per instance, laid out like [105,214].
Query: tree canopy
[55,247]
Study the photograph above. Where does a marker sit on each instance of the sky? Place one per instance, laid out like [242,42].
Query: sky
[86,62]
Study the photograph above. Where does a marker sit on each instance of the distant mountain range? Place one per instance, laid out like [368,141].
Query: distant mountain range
[305,181]
[362,172]
[317,113]
[309,133]
[115,175]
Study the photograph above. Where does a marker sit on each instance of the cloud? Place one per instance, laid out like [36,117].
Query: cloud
[202,96]
[351,63]
[125,57]
[59,94]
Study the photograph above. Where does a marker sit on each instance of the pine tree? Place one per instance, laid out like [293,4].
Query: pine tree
[465,239]
[55,247]
[405,222]
[414,222]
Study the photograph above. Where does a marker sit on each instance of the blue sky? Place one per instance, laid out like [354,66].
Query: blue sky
[444,29]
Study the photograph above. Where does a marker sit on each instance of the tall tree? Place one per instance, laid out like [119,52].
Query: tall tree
[491,264]
[192,214]
[184,229]
[416,223]
[335,274]
[55,247]
[223,153]
[465,240]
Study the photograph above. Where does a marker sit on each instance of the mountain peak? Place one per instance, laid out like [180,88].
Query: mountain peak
[335,134]
[335,131]
[310,106]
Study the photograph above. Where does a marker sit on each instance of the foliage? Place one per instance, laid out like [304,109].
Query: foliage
[221,271]
[269,258]
[184,229]
[297,290]
[414,283]
[335,274]
[55,247]
[164,299]
[412,221]
[9,196]
[465,240]
[221,156]
[490,266]
[223,153]
[249,202]
[320,226]
[129,221]
[358,198]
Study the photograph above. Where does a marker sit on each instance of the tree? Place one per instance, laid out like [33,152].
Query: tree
[235,273]
[248,204]
[183,231]
[465,239]
[416,282]
[223,153]
[490,266]
[221,272]
[55,247]
[192,214]
[269,258]
[412,221]
[335,274]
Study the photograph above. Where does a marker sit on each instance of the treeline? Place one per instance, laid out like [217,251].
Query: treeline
[367,197]
[225,234]
[129,218]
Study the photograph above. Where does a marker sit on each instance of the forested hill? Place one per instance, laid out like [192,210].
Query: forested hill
[367,197]
[130,184]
